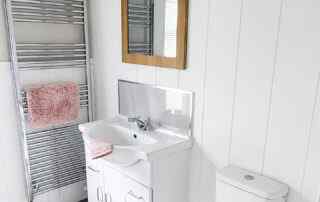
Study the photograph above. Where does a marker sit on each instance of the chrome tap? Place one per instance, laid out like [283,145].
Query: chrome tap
[144,125]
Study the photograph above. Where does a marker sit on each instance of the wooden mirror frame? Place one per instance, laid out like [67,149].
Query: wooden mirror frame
[178,62]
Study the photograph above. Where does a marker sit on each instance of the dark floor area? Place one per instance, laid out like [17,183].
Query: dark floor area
[85,200]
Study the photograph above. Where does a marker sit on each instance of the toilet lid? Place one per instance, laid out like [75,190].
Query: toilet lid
[259,185]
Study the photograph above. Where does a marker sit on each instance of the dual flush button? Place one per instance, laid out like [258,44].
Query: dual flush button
[249,177]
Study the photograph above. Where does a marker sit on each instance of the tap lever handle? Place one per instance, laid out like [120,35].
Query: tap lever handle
[142,124]
[133,119]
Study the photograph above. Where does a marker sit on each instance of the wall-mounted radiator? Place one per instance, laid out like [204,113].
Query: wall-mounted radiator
[49,43]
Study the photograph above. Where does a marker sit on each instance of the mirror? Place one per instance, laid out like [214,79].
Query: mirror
[166,107]
[153,27]
[154,32]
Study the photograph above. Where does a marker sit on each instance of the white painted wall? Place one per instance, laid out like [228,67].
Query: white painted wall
[254,66]
[12,186]
[3,43]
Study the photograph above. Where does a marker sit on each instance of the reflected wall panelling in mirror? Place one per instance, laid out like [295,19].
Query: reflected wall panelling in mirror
[154,32]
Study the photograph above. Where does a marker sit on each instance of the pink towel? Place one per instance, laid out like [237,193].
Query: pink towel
[53,104]
[98,149]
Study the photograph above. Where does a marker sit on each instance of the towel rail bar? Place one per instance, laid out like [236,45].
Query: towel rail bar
[47,5]
[36,155]
[52,17]
[48,138]
[49,45]
[50,68]
[63,140]
[53,158]
[54,64]
[49,52]
[49,21]
[36,168]
[53,162]
[52,129]
[52,13]
[48,11]
[57,181]
[52,173]
[50,168]
[50,187]
[48,57]
[54,1]
[49,158]
[60,174]
[53,144]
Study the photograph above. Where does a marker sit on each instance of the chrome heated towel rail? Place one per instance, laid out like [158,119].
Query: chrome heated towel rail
[54,157]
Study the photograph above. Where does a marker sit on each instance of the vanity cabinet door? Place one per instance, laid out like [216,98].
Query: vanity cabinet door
[120,188]
[94,185]
[113,185]
[136,192]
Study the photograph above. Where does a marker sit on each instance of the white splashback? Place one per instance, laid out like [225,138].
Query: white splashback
[169,108]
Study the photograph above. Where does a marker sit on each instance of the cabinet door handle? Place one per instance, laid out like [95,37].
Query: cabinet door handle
[108,197]
[131,193]
[98,193]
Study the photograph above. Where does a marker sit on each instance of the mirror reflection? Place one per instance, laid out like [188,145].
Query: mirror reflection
[153,27]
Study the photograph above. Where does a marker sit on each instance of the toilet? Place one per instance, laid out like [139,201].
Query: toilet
[235,184]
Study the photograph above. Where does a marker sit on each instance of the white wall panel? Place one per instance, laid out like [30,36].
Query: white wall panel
[222,48]
[147,74]
[220,76]
[293,94]
[257,49]
[193,79]
[311,183]
[167,77]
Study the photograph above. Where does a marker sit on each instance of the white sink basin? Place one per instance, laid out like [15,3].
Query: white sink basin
[119,136]
[115,134]
[131,146]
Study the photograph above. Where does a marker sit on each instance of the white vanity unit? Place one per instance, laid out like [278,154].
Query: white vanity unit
[150,158]
[144,166]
